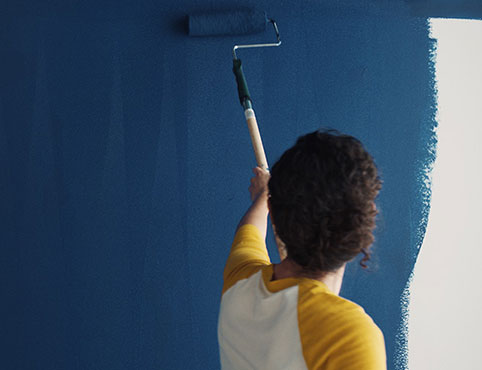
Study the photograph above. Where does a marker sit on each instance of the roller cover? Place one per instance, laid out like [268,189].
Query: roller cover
[221,23]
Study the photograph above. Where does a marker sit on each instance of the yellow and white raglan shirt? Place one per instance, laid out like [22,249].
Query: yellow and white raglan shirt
[294,323]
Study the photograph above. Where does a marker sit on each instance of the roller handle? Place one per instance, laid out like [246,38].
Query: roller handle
[243,91]
[245,100]
[256,139]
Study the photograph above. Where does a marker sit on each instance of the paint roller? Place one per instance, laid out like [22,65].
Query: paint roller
[238,22]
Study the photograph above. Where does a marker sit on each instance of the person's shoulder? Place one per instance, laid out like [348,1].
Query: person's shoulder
[326,309]
[337,331]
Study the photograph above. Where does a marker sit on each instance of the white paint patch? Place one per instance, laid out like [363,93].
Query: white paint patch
[445,322]
[249,113]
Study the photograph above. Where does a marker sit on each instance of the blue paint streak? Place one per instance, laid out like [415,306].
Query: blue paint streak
[125,162]
[471,9]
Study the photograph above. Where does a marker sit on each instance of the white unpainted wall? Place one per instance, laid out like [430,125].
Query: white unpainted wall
[445,313]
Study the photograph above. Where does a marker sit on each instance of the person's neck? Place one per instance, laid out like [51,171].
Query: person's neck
[288,268]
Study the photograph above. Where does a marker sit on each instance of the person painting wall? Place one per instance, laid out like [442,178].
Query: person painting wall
[289,315]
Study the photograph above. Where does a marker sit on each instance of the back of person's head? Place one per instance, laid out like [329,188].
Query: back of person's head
[322,193]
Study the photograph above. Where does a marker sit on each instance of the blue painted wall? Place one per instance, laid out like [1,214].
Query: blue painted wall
[471,9]
[125,162]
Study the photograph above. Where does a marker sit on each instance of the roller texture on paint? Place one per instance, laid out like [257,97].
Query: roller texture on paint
[227,23]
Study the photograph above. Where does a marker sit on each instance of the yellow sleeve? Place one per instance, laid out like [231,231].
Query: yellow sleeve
[248,254]
[337,334]
[361,347]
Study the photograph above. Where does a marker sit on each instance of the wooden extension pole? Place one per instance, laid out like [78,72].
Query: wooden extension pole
[256,139]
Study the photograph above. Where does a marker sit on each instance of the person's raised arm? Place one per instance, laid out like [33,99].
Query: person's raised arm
[257,214]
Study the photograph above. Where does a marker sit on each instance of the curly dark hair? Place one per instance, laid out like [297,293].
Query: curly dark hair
[322,193]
